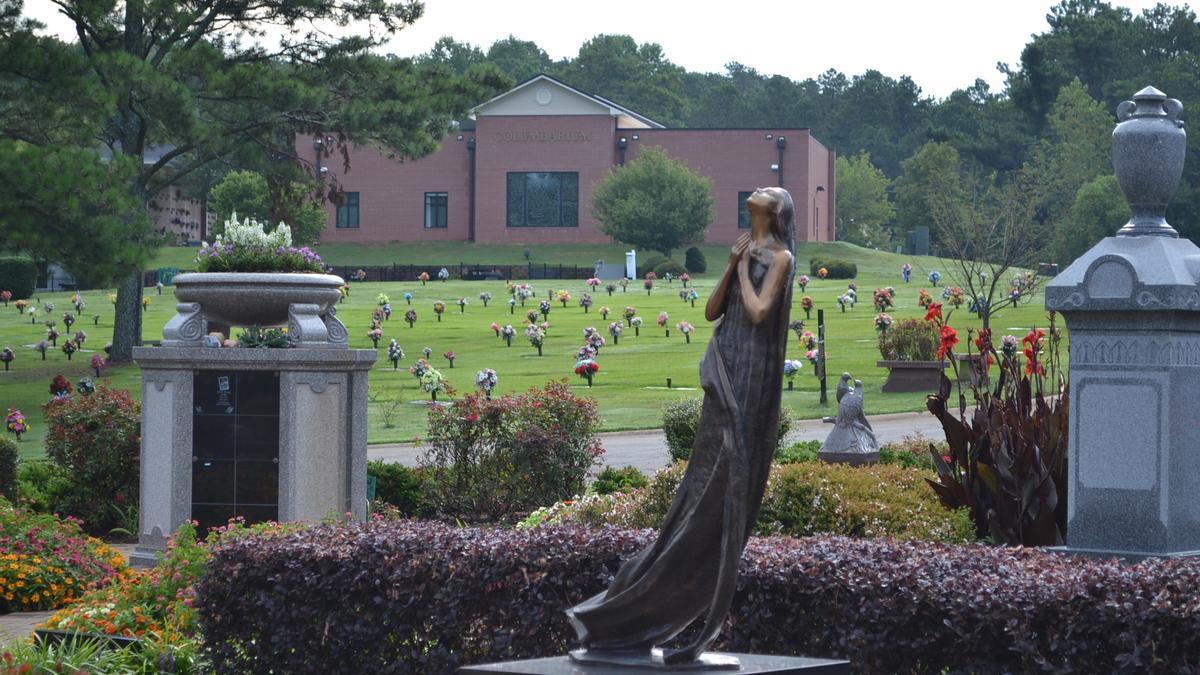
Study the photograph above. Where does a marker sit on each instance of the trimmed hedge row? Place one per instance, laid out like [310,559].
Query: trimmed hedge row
[412,596]
[835,269]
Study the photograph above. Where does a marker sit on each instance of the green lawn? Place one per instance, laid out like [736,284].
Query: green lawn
[630,387]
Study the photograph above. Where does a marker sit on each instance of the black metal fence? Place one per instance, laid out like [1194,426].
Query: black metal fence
[397,272]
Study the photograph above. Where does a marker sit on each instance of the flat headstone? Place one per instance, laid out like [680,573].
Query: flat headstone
[751,664]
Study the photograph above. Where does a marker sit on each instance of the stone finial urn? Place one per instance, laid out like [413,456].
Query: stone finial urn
[1149,145]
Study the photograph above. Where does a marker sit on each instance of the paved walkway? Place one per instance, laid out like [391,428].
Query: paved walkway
[20,625]
[647,449]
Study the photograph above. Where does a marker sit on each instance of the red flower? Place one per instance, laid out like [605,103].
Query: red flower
[949,338]
[935,312]
[1033,339]
[985,338]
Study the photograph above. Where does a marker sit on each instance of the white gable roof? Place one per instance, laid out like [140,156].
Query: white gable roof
[544,95]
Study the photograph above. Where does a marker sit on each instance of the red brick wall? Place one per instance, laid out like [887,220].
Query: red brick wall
[392,193]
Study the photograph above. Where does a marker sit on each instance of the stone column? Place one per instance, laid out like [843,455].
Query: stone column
[166,460]
[1132,304]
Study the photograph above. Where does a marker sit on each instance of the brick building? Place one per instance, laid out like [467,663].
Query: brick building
[525,174]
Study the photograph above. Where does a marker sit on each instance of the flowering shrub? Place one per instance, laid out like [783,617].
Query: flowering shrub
[96,439]
[494,460]
[681,418]
[909,340]
[46,562]
[246,246]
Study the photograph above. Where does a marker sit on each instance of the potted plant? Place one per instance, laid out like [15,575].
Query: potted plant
[909,350]
[249,276]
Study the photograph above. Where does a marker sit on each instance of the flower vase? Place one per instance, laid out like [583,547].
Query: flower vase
[647,292]
[485,303]
[610,294]
[462,309]
[512,309]
[395,364]
[410,324]
[585,309]
[693,303]
[508,339]
[668,331]
[96,369]
[375,343]
[688,337]
[589,379]
[451,364]
[790,384]
[433,396]
[439,316]
[68,356]
[807,314]
[539,350]
[96,320]
[637,331]
[616,339]
[6,367]
[564,304]
[43,355]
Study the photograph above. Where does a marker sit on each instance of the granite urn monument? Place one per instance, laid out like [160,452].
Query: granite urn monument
[689,573]
[1132,304]
[265,434]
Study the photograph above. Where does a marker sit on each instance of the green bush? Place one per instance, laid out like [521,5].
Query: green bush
[612,479]
[694,261]
[837,269]
[8,469]
[909,340]
[910,453]
[865,501]
[495,460]
[640,508]
[17,275]
[648,263]
[398,485]
[96,438]
[803,451]
[43,485]
[669,266]
[682,417]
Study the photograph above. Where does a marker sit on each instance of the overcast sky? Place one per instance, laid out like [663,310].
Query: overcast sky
[942,44]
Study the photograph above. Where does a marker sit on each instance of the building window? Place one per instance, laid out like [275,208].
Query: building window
[347,212]
[743,211]
[435,210]
[543,199]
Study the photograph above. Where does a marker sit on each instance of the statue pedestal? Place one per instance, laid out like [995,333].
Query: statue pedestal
[750,664]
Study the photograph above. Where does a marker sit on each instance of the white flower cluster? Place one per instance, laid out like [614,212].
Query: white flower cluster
[251,233]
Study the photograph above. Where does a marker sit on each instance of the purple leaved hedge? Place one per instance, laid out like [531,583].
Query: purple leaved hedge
[423,597]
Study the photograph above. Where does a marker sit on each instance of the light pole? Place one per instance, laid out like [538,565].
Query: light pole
[820,189]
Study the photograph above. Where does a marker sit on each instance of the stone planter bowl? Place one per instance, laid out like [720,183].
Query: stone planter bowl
[229,299]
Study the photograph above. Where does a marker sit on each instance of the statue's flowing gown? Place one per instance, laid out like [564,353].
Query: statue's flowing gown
[691,569]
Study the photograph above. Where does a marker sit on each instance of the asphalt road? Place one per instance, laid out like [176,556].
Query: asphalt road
[647,450]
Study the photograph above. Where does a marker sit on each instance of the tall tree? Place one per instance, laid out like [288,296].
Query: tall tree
[863,206]
[654,202]
[1098,211]
[933,170]
[633,75]
[519,59]
[174,85]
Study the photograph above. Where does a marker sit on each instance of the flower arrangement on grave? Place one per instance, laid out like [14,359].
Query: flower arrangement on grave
[360,275]
[423,277]
[86,386]
[636,323]
[443,274]
[78,302]
[418,369]
[692,296]
[485,382]
[411,317]
[377,316]
[882,299]
[344,289]
[669,277]
[796,327]
[685,278]
[610,288]
[956,298]
[112,297]
[536,336]
[69,347]
[439,307]
[813,355]
[33,313]
[594,283]
[596,340]
[80,337]
[564,297]
[15,422]
[507,333]
[246,246]
[375,334]
[587,368]
[60,387]
[544,308]
[145,303]
[485,297]
[21,305]
[41,348]
[48,307]
[382,299]
[462,305]
[604,312]
[924,298]
[648,283]
[68,319]
[95,319]
[791,368]
[614,329]
[687,329]
[387,312]
[427,352]
[845,301]
[807,304]
[629,313]
[408,298]
[449,356]
[905,271]
[52,336]
[934,277]
[662,322]
[531,316]
[495,328]
[7,356]
[394,353]
[624,284]
[98,362]
[523,292]
[432,381]
[883,322]
[823,272]
[6,296]
[585,302]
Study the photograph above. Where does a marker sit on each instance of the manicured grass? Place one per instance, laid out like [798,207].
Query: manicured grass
[630,387]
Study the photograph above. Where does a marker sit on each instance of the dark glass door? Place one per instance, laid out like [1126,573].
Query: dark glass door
[235,447]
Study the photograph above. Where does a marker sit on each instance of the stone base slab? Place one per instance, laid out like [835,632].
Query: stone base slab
[1125,556]
[749,664]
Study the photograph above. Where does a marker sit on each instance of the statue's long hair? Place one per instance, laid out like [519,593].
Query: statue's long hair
[784,226]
